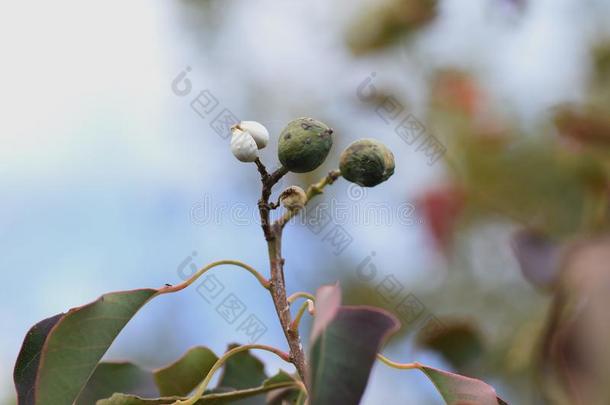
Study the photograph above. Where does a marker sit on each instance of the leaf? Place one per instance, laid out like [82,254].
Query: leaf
[575,358]
[186,373]
[111,377]
[460,390]
[386,22]
[343,353]
[241,371]
[290,395]
[588,126]
[285,396]
[532,181]
[59,354]
[539,258]
[458,341]
[328,301]
[441,208]
[280,381]
[28,360]
[344,350]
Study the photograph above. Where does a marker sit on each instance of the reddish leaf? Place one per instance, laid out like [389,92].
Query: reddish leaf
[441,208]
[344,349]
[460,390]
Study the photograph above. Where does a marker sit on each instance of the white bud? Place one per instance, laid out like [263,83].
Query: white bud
[257,130]
[243,146]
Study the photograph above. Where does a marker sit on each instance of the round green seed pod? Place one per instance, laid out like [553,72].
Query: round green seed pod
[304,144]
[367,162]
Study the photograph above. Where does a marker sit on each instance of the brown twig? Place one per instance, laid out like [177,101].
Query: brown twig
[264,206]
[273,236]
[277,283]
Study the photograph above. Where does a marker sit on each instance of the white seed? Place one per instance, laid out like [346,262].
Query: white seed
[243,146]
[258,132]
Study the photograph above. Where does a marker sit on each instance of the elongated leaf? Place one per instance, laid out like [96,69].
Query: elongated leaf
[284,396]
[26,368]
[290,395]
[328,301]
[344,350]
[59,354]
[458,341]
[111,377]
[460,390]
[279,381]
[242,371]
[182,377]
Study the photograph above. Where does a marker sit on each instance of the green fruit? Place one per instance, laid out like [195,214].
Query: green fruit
[304,145]
[367,162]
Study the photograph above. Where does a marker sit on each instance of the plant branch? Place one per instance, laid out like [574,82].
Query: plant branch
[296,295]
[400,366]
[268,180]
[219,363]
[318,188]
[277,286]
[312,191]
[262,280]
[307,305]
[278,294]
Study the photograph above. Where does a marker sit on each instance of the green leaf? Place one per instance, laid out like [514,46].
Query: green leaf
[186,373]
[28,361]
[111,377]
[241,371]
[555,189]
[279,381]
[59,354]
[386,22]
[328,302]
[344,348]
[457,389]
[458,341]
[294,396]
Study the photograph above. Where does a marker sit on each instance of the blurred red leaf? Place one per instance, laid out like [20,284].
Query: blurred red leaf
[441,208]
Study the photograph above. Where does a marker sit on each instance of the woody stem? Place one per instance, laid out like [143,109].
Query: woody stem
[277,285]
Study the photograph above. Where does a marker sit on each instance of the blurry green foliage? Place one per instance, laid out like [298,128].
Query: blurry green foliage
[388,21]
[458,341]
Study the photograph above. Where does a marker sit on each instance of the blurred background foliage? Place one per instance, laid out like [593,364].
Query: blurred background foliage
[501,272]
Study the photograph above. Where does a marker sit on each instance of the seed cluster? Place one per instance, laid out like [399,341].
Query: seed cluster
[304,144]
